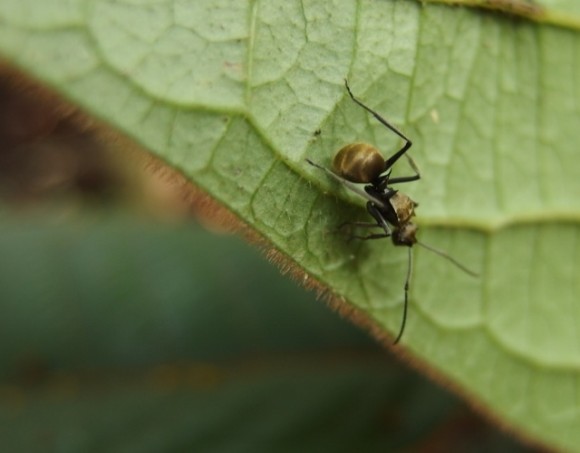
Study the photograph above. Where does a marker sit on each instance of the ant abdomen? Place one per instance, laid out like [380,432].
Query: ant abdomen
[359,163]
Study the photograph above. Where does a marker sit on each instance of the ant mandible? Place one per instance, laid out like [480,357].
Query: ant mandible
[392,211]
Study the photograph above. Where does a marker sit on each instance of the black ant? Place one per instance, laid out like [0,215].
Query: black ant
[361,163]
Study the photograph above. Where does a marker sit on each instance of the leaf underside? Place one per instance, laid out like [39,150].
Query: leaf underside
[490,102]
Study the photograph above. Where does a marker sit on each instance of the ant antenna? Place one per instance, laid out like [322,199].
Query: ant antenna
[405,305]
[449,258]
[410,272]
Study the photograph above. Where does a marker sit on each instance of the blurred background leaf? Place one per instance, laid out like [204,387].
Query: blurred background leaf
[118,335]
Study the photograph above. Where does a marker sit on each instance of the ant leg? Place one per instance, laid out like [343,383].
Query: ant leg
[402,179]
[359,224]
[387,180]
[350,236]
[380,219]
[383,121]
[343,181]
[349,185]
[391,160]
[371,236]
[380,222]
[342,228]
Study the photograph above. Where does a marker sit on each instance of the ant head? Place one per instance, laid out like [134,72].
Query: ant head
[405,235]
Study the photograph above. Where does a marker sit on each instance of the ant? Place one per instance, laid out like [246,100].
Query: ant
[392,211]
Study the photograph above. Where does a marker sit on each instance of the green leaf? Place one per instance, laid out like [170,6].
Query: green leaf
[232,94]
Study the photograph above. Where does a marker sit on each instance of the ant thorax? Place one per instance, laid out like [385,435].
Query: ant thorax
[403,206]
